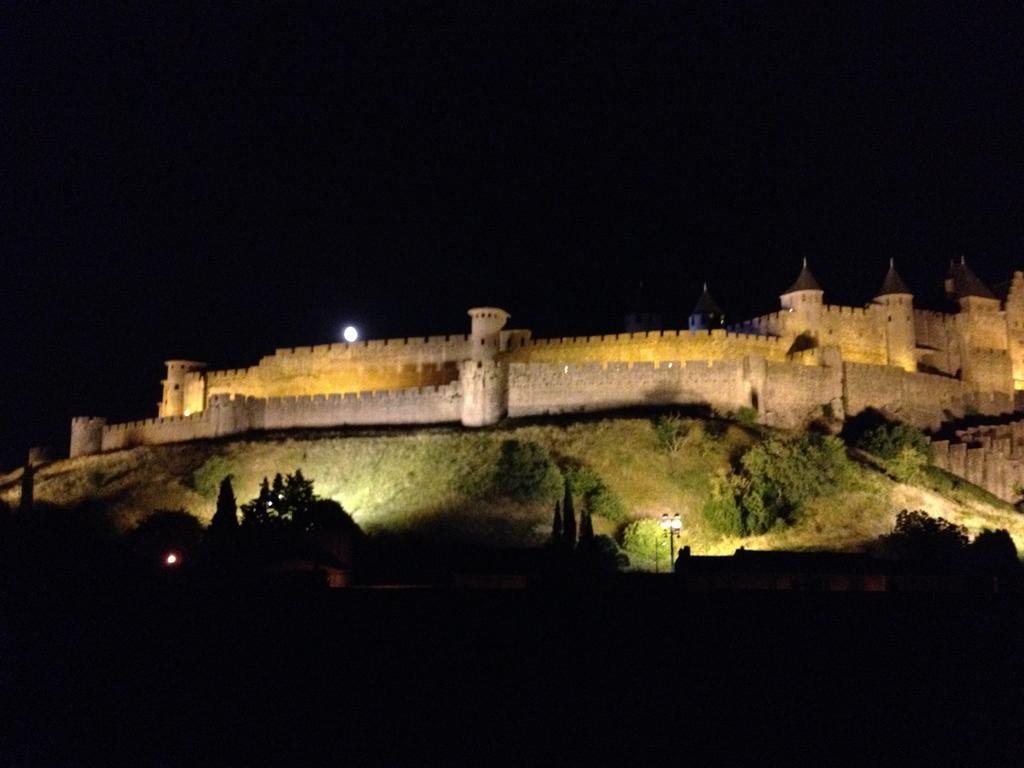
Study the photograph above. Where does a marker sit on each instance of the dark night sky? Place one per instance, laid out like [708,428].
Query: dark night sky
[213,184]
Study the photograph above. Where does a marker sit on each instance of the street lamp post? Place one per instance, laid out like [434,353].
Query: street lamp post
[671,526]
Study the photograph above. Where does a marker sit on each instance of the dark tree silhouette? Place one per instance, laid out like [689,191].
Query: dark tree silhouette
[278,507]
[256,514]
[568,518]
[917,536]
[165,531]
[995,548]
[298,497]
[556,524]
[225,519]
[27,488]
[324,515]
[586,540]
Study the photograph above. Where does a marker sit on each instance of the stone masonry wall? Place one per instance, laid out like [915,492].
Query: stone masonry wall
[989,456]
[231,416]
[548,388]
[650,347]
[347,367]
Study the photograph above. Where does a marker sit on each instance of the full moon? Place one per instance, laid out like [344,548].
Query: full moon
[350,333]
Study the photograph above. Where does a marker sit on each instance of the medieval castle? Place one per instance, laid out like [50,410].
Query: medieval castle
[808,361]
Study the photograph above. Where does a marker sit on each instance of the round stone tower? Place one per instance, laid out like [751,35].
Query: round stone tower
[485,332]
[894,304]
[86,435]
[484,376]
[173,402]
[802,306]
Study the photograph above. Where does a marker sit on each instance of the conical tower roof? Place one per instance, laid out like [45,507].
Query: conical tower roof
[966,283]
[804,281]
[892,283]
[706,305]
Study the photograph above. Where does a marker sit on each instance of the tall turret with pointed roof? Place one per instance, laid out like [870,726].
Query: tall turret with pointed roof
[706,313]
[802,304]
[894,305]
[965,287]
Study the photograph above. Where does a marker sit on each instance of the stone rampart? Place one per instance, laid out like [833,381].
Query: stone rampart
[653,346]
[990,456]
[306,374]
[793,395]
[924,400]
[227,415]
[547,388]
[424,405]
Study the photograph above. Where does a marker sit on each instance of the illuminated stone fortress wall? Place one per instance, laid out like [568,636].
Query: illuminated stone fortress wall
[808,361]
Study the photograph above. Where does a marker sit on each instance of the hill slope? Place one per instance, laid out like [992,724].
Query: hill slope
[440,482]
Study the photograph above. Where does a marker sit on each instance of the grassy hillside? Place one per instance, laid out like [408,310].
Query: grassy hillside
[440,482]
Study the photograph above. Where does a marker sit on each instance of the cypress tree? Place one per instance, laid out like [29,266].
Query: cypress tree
[556,524]
[225,519]
[568,518]
[256,513]
[586,530]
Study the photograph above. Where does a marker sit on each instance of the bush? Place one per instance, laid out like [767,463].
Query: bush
[671,432]
[907,465]
[605,502]
[916,536]
[746,415]
[525,472]
[721,509]
[604,555]
[995,548]
[643,542]
[584,479]
[598,498]
[777,477]
[782,475]
[889,441]
[164,531]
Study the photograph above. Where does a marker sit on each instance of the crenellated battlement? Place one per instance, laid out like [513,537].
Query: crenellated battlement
[372,346]
[841,311]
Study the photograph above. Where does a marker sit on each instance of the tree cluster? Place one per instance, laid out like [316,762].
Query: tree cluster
[590,551]
[904,449]
[917,536]
[774,481]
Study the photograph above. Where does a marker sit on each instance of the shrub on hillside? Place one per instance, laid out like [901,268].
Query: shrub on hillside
[604,555]
[671,431]
[888,441]
[995,548]
[645,543]
[782,475]
[598,498]
[776,478]
[746,415]
[904,449]
[916,536]
[605,502]
[722,509]
[166,530]
[525,472]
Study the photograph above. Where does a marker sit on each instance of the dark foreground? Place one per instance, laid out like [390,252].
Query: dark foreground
[612,675]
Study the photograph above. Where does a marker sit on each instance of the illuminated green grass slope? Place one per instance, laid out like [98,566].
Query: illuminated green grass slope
[439,482]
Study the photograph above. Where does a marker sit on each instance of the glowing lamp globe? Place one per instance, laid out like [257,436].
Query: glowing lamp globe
[171,559]
[350,333]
